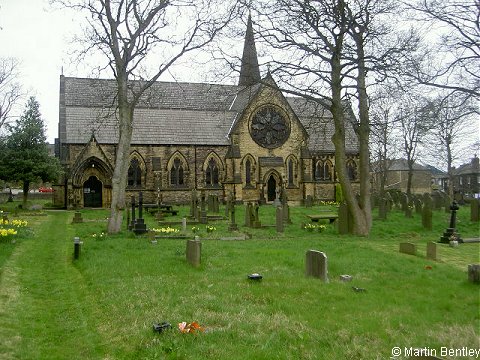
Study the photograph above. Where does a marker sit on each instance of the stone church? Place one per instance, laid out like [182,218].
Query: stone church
[248,140]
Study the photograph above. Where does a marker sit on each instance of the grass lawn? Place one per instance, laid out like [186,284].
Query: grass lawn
[103,305]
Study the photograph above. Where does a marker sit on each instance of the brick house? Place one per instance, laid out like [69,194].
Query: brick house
[466,179]
[248,139]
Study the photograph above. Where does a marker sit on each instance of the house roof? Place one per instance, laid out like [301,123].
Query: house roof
[172,113]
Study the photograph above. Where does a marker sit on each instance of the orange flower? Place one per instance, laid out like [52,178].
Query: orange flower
[192,327]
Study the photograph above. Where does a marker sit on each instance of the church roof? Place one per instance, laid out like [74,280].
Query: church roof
[171,113]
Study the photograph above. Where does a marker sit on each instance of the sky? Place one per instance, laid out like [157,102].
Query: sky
[38,37]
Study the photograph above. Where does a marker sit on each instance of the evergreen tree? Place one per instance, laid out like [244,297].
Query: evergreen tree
[24,153]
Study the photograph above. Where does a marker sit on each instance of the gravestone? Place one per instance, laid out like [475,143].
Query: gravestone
[437,200]
[194,252]
[140,227]
[409,208]
[404,201]
[408,248]
[279,219]
[447,200]
[382,208]
[389,199]
[451,233]
[427,213]
[203,211]
[316,265]
[432,251]
[77,218]
[227,207]
[232,226]
[256,222]
[345,224]
[248,214]
[418,205]
[128,218]
[474,210]
[474,273]
[193,204]
[309,201]
[277,201]
[216,206]
[132,224]
[184,224]
[210,203]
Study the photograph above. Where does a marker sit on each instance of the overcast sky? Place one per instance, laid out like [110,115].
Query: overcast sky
[38,37]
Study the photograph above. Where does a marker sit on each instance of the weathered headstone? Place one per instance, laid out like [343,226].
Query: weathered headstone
[184,224]
[256,220]
[447,200]
[309,201]
[248,214]
[316,265]
[474,210]
[427,212]
[382,208]
[193,204]
[210,203]
[194,252]
[132,224]
[216,207]
[474,273]
[140,227]
[232,226]
[77,218]
[345,225]
[279,219]
[418,205]
[404,201]
[408,248]
[432,251]
[203,210]
[389,199]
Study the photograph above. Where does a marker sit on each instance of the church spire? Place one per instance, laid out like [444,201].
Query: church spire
[249,71]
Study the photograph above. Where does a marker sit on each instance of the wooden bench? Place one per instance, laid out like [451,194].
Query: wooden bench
[330,217]
[153,208]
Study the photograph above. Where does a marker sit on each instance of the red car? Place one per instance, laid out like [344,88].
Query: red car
[45,189]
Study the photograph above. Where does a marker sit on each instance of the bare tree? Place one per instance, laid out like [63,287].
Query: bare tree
[413,118]
[328,49]
[136,36]
[454,63]
[383,143]
[453,122]
[10,89]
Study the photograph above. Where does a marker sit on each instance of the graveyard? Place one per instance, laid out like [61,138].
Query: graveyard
[69,290]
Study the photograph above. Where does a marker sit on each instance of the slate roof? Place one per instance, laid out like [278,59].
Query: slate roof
[171,113]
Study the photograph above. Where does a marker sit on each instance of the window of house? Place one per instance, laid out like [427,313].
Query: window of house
[134,173]
[176,173]
[211,173]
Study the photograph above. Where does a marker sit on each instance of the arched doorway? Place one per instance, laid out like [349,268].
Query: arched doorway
[271,188]
[92,192]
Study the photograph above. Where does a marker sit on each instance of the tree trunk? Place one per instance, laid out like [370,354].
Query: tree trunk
[360,225]
[119,179]
[26,189]
[363,135]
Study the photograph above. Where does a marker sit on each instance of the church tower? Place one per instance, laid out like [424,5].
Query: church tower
[249,71]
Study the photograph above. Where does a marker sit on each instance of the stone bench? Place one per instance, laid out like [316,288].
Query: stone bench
[316,218]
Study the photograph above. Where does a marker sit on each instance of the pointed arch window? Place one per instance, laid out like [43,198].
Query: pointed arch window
[352,170]
[290,172]
[176,173]
[319,170]
[248,172]
[134,173]
[211,173]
